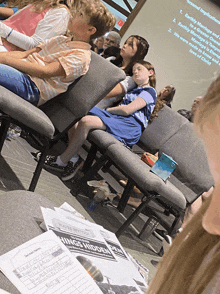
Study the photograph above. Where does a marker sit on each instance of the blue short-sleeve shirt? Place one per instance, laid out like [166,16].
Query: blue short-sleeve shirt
[149,95]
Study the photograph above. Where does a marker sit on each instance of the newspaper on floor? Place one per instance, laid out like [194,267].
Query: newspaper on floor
[141,268]
[45,265]
[97,249]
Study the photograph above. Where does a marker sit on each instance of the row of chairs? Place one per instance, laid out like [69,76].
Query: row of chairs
[52,121]
[169,133]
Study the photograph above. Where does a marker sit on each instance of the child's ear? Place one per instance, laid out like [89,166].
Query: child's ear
[151,71]
[92,30]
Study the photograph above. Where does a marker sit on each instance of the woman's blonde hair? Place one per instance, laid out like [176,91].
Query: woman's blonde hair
[208,104]
[40,5]
[186,266]
[180,271]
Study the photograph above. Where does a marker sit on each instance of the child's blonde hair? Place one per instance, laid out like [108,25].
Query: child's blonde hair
[98,13]
[40,5]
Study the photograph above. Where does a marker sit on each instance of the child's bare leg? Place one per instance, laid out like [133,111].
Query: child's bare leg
[78,135]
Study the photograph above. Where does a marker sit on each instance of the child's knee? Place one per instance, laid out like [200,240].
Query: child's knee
[85,122]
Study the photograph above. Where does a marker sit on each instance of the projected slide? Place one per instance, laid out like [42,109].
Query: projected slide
[184,38]
[199,30]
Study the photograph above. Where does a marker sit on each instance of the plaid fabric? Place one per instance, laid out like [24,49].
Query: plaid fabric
[74,56]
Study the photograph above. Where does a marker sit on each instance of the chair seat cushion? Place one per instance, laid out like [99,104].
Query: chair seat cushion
[26,113]
[139,172]
[102,139]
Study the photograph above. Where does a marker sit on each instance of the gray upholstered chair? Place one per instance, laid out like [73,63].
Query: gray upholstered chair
[50,122]
[172,134]
[19,211]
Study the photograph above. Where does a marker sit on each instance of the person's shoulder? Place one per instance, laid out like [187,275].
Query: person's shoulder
[150,90]
[60,10]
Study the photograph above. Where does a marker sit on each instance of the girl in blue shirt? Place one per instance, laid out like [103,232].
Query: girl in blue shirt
[125,122]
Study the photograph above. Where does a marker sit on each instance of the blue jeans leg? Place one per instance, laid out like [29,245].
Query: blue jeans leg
[19,83]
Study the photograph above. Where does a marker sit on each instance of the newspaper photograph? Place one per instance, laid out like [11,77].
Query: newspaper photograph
[97,249]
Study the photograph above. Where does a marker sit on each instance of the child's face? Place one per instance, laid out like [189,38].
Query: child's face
[79,26]
[164,92]
[129,49]
[99,42]
[141,74]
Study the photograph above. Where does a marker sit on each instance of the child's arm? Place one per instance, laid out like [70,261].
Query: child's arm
[37,70]
[122,88]
[128,109]
[6,12]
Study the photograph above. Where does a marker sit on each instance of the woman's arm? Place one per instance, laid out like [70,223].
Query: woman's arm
[122,88]
[116,91]
[128,109]
[53,24]
[18,54]
[37,70]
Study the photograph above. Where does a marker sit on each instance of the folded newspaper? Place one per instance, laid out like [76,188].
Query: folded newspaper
[96,254]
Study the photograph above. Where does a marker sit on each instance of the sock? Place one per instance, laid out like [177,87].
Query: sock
[74,159]
[59,162]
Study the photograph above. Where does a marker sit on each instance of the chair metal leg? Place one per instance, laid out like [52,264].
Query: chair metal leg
[149,227]
[106,166]
[38,169]
[90,158]
[125,196]
[132,217]
[176,224]
[82,183]
[5,123]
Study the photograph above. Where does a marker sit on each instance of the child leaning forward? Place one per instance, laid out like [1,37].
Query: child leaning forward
[42,73]
[126,122]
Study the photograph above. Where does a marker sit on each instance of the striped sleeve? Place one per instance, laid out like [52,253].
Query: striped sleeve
[75,65]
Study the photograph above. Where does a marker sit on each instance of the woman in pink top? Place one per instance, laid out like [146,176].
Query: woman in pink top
[41,73]
[34,23]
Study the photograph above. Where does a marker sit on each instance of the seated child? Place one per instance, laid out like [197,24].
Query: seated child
[125,122]
[42,73]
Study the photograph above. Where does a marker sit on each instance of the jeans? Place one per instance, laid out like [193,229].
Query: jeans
[19,83]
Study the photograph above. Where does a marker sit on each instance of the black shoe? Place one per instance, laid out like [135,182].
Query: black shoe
[71,169]
[50,163]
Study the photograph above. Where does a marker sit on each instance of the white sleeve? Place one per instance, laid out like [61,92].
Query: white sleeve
[53,24]
[128,84]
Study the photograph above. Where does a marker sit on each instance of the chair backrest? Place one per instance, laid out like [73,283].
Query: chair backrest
[193,169]
[84,93]
[161,129]
[173,134]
